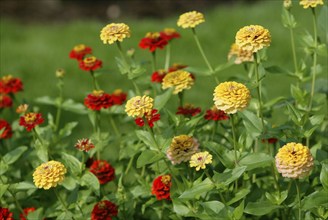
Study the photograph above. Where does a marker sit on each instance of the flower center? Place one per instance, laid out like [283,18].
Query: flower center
[89,60]
[79,48]
[117,92]
[200,158]
[6,79]
[98,93]
[166,179]
[152,35]
[169,31]
[30,117]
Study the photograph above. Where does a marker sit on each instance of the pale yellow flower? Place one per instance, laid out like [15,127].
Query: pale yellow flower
[114,32]
[253,38]
[60,73]
[138,106]
[199,160]
[239,54]
[310,3]
[182,148]
[294,160]
[190,19]
[49,174]
[179,79]
[231,97]
[288,4]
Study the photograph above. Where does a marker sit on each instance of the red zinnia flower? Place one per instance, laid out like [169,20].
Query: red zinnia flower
[9,84]
[270,140]
[176,67]
[158,76]
[104,210]
[188,110]
[5,101]
[7,132]
[26,211]
[90,63]
[5,214]
[30,120]
[161,187]
[215,114]
[152,41]
[98,99]
[150,117]
[169,33]
[118,97]
[84,144]
[79,51]
[103,171]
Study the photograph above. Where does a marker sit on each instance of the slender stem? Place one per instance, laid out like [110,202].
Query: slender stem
[113,124]
[181,95]
[38,136]
[234,138]
[299,200]
[129,165]
[82,163]
[98,131]
[61,201]
[153,61]
[94,81]
[274,173]
[59,107]
[214,129]
[167,57]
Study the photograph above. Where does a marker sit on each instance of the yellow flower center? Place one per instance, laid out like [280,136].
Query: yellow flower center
[169,31]
[152,35]
[98,93]
[79,48]
[166,179]
[30,117]
[7,78]
[117,91]
[89,61]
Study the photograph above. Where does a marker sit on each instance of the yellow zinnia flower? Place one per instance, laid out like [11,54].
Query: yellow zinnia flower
[182,148]
[239,54]
[199,160]
[294,160]
[49,174]
[179,79]
[138,106]
[190,19]
[310,3]
[253,38]
[114,32]
[231,97]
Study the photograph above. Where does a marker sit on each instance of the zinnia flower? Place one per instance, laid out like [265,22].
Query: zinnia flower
[199,160]
[158,76]
[294,160]
[161,187]
[97,100]
[26,211]
[240,55]
[139,106]
[169,33]
[190,19]
[22,108]
[182,148]
[118,97]
[84,144]
[30,120]
[5,214]
[103,171]
[5,129]
[49,174]
[179,79]
[104,210]
[188,110]
[253,38]
[151,117]
[215,114]
[90,63]
[310,3]
[231,97]
[79,52]
[5,101]
[9,84]
[114,32]
[152,41]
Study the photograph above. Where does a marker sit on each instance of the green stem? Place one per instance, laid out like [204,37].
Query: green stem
[113,124]
[94,81]
[214,129]
[299,200]
[61,201]
[293,49]
[153,61]
[59,107]
[38,136]
[181,96]
[129,165]
[98,131]
[167,57]
[82,163]
[234,138]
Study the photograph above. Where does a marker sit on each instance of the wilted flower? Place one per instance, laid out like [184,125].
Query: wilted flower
[199,160]
[158,76]
[103,171]
[310,3]
[294,160]
[84,144]
[5,214]
[215,114]
[5,101]
[79,51]
[97,100]
[240,55]
[30,120]
[179,79]
[119,97]
[9,84]
[90,63]
[169,34]
[22,108]
[182,148]
[231,97]
[114,32]
[60,73]
[104,210]
[5,129]
[188,110]
[190,19]
[152,41]
[150,117]
[139,106]
[253,38]
[49,174]
[26,211]
[161,187]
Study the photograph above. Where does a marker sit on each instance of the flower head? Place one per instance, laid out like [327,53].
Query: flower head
[169,33]
[182,148]
[240,55]
[90,63]
[79,51]
[138,106]
[150,117]
[215,114]
[190,19]
[5,129]
[84,144]
[179,79]
[188,110]
[97,100]
[60,73]
[294,160]
[114,32]
[199,160]
[158,76]
[119,97]
[288,4]
[161,187]
[104,210]
[5,214]
[26,211]
[152,41]
[49,174]
[231,97]
[5,101]
[253,38]
[9,84]
[103,171]
[30,120]
[310,3]
[22,108]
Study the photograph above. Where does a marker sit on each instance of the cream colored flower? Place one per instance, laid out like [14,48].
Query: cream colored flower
[231,97]
[310,3]
[179,79]
[253,38]
[60,73]
[240,55]
[22,108]
[190,19]
[138,106]
[49,174]
[114,32]
[294,160]
[182,148]
[288,4]
[199,160]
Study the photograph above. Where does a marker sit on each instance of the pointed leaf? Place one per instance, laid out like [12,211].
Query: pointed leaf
[14,155]
[148,157]
[161,100]
[197,189]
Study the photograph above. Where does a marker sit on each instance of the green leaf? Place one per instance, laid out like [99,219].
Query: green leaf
[69,183]
[324,175]
[260,208]
[276,69]
[238,211]
[316,199]
[239,195]
[67,130]
[256,160]
[25,186]
[252,123]
[277,197]
[180,208]
[46,100]
[136,71]
[65,216]
[90,180]
[213,206]
[274,101]
[147,138]
[37,214]
[122,65]
[295,115]
[161,100]
[229,176]
[72,106]
[12,156]
[41,150]
[197,189]
[148,157]
[316,119]
[3,167]
[288,19]
[73,164]
[3,189]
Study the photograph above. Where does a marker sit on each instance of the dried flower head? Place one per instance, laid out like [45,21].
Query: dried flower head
[190,19]
[188,110]
[231,97]
[90,64]
[161,187]
[294,160]
[310,3]
[22,108]
[104,210]
[253,38]
[49,174]
[199,160]
[240,55]
[5,101]
[79,51]
[182,148]
[179,79]
[30,120]
[5,129]
[9,84]
[114,32]
[138,106]
[215,114]
[103,171]
[97,100]
[84,144]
